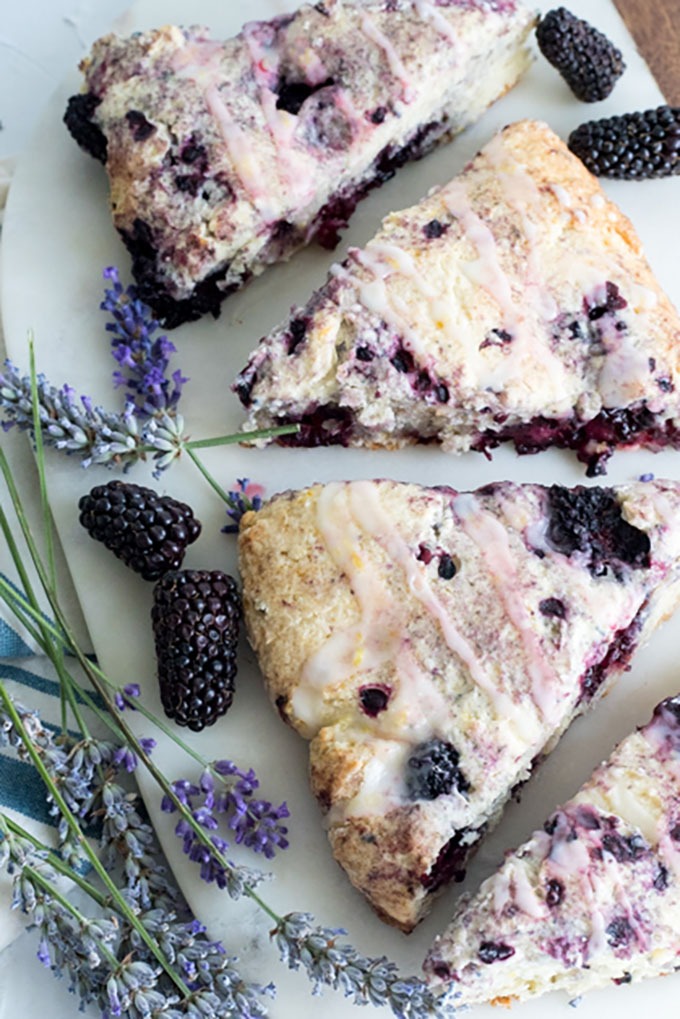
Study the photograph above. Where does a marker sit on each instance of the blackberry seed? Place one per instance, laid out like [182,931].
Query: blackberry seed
[196,617]
[147,531]
[589,63]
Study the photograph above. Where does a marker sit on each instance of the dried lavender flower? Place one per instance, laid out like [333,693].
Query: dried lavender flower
[136,348]
[77,426]
[374,981]
[246,496]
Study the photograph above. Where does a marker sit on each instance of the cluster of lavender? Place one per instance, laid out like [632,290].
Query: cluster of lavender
[105,958]
[78,427]
[373,981]
[149,424]
[255,823]
[247,496]
[137,349]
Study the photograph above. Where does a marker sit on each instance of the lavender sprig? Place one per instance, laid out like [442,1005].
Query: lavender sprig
[365,980]
[247,496]
[255,823]
[136,348]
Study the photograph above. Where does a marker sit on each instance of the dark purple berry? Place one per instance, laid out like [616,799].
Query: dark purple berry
[435,229]
[377,116]
[619,932]
[403,361]
[148,532]
[552,607]
[296,333]
[675,833]
[364,354]
[140,127]
[625,978]
[442,393]
[425,555]
[633,146]
[661,878]
[374,699]
[589,63]
[80,123]
[196,617]
[589,520]
[292,94]
[612,302]
[554,892]
[624,849]
[447,567]
[432,770]
[494,951]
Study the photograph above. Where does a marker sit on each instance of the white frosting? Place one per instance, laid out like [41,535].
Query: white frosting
[395,63]
[428,12]
[492,541]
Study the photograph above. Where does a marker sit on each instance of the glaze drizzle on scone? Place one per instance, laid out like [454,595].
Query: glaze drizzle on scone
[512,304]
[593,898]
[433,644]
[226,156]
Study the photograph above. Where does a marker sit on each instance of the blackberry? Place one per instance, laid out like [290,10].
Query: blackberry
[432,770]
[589,63]
[196,616]
[633,146]
[148,531]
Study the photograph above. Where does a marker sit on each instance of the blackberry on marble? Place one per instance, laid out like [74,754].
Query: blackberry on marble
[432,770]
[149,532]
[196,618]
[631,146]
[587,60]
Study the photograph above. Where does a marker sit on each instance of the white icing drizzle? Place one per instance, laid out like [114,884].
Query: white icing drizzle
[200,61]
[389,258]
[375,521]
[395,63]
[492,540]
[280,124]
[428,12]
[562,195]
[381,784]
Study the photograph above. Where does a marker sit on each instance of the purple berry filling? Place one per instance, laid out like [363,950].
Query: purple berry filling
[432,770]
[494,951]
[450,864]
[426,555]
[297,331]
[589,521]
[625,849]
[447,568]
[553,607]
[435,229]
[619,932]
[625,978]
[140,127]
[661,879]
[554,892]
[292,94]
[617,656]
[374,699]
[612,302]
[324,426]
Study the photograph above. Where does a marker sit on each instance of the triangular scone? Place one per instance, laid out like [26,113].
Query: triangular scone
[226,156]
[594,898]
[514,303]
[433,645]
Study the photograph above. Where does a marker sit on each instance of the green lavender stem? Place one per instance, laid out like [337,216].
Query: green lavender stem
[120,903]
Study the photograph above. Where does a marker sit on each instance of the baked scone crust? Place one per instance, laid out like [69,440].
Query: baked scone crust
[226,156]
[591,899]
[512,304]
[386,615]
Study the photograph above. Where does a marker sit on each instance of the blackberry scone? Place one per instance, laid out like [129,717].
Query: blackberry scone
[226,156]
[513,304]
[433,645]
[591,899]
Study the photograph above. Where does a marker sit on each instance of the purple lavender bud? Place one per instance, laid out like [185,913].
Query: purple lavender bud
[125,757]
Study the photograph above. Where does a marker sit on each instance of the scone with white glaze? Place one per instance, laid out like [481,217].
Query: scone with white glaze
[226,156]
[593,898]
[433,645]
[513,304]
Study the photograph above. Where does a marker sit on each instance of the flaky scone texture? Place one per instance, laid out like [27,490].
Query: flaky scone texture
[432,644]
[593,898]
[514,303]
[225,156]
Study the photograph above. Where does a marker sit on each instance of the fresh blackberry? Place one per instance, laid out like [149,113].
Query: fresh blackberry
[432,770]
[633,146]
[148,531]
[589,63]
[196,616]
